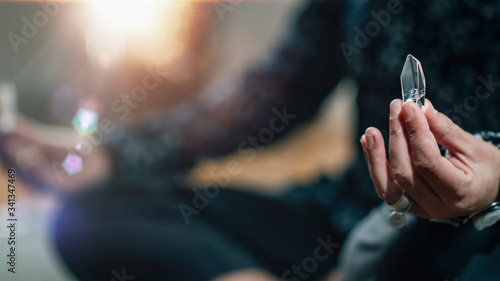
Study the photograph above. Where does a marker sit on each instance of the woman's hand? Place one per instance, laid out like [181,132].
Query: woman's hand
[37,151]
[465,181]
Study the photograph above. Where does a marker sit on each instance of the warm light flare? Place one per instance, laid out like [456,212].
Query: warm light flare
[144,29]
[124,15]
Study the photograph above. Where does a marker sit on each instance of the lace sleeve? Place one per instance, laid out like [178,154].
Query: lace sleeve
[488,136]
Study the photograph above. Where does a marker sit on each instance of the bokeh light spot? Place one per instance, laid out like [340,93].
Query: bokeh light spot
[72,164]
[85,121]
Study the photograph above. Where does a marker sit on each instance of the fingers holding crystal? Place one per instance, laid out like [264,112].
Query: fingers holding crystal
[401,161]
[423,145]
[423,135]
[388,189]
[416,165]
[427,159]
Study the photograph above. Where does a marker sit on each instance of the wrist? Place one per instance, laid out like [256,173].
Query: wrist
[487,217]
[482,219]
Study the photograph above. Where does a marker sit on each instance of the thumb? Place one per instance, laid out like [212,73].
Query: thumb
[447,133]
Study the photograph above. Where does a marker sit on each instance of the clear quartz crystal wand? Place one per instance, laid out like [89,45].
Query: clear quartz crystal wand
[413,81]
[413,88]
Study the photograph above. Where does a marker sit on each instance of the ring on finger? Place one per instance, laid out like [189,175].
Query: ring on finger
[402,205]
[398,217]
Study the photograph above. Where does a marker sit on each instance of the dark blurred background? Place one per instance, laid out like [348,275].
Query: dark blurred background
[59,54]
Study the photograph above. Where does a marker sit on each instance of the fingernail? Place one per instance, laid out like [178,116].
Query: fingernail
[363,144]
[395,109]
[369,141]
[408,111]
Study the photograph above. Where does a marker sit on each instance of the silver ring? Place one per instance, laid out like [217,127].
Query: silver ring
[402,205]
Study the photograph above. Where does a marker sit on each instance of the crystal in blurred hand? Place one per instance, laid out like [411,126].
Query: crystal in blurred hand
[413,81]
[85,121]
[8,107]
